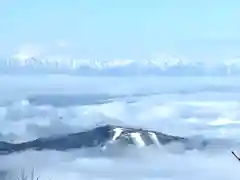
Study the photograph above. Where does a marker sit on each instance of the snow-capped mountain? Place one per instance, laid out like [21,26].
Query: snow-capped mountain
[105,137]
[127,67]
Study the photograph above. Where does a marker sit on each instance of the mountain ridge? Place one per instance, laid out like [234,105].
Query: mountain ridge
[127,67]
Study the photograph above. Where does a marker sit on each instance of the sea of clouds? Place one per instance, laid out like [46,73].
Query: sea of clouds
[187,106]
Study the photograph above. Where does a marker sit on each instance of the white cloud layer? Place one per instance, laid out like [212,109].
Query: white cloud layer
[201,114]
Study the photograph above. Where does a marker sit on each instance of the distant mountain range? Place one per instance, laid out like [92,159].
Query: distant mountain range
[171,67]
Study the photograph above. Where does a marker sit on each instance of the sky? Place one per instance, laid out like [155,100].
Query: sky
[109,29]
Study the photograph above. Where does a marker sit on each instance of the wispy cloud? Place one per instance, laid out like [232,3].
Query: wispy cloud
[62,44]
[28,50]
[37,50]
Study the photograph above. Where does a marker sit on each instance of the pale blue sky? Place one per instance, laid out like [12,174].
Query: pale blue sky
[124,28]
